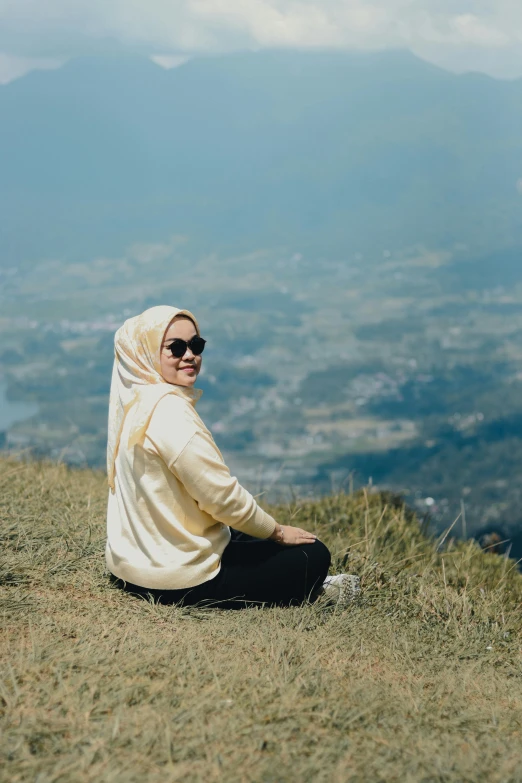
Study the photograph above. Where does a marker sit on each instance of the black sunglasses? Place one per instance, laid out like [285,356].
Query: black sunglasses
[179,346]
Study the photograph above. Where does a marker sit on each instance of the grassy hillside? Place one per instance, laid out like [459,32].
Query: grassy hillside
[419,682]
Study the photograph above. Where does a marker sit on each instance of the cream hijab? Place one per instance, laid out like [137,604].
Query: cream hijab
[137,382]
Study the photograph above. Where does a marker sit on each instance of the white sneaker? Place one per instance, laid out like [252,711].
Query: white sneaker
[341,589]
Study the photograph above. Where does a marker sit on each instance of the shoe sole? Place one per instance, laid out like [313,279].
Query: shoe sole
[349,589]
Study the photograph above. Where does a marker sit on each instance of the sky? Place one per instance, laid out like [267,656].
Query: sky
[461,35]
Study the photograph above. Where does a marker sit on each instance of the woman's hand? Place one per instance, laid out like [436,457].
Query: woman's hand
[291,536]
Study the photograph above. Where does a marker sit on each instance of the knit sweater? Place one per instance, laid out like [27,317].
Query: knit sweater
[174,499]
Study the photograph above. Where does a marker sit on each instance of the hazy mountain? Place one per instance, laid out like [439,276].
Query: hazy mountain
[335,151]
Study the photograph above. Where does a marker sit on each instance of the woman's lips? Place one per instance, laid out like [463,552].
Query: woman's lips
[188,369]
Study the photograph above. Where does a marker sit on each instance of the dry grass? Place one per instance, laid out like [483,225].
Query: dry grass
[420,682]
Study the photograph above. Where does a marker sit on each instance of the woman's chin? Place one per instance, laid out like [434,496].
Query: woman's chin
[186,380]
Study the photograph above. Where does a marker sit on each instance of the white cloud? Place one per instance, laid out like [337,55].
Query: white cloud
[470,29]
[57,29]
[11,66]
[169,61]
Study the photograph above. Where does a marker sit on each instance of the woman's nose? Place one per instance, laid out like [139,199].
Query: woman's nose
[188,355]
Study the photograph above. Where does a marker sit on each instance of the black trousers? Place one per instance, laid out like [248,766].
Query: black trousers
[253,571]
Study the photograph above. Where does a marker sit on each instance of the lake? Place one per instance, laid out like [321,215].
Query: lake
[11,411]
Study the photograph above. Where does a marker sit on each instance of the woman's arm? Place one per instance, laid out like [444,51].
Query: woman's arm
[192,455]
[291,536]
[202,470]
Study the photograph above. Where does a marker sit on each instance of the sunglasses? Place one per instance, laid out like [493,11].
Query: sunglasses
[179,346]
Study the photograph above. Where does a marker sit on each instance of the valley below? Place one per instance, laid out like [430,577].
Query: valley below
[402,369]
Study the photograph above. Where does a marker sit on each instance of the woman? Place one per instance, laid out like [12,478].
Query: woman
[172,500]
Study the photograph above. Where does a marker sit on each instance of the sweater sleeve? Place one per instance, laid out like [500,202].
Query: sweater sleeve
[202,470]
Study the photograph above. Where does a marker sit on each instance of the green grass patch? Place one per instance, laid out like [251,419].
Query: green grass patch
[421,681]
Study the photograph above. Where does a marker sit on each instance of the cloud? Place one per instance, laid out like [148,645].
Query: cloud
[470,29]
[11,66]
[58,29]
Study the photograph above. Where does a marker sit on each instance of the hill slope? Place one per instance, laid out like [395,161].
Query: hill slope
[333,151]
[419,682]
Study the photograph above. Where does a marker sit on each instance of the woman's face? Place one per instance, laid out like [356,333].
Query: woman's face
[184,371]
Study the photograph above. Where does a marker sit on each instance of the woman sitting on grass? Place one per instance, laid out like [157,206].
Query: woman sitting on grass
[172,500]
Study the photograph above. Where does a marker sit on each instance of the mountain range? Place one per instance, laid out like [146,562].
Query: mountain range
[335,153]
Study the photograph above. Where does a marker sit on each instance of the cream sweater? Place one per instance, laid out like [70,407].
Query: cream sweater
[174,498]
